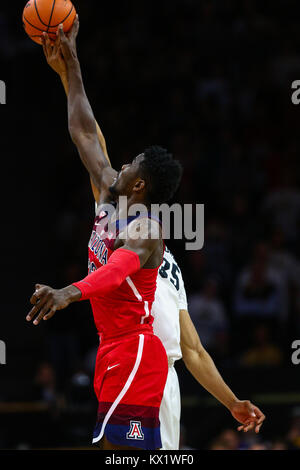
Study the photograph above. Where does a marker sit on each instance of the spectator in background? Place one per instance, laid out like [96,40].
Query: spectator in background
[63,337]
[293,435]
[241,226]
[282,207]
[45,382]
[259,446]
[209,317]
[46,391]
[228,439]
[279,444]
[197,270]
[282,259]
[217,249]
[260,295]
[263,352]
[183,439]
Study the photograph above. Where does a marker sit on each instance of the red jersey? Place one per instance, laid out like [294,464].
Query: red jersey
[128,308]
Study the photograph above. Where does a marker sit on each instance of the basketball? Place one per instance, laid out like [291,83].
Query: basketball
[45,16]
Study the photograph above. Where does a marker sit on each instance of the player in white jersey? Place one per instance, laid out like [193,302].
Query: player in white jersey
[170,299]
[173,325]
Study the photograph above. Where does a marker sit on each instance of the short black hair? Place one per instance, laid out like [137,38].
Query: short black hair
[162,174]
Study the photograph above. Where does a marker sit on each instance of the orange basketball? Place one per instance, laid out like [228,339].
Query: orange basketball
[46,15]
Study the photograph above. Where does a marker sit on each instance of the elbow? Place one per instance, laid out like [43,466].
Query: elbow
[81,137]
[192,356]
[74,133]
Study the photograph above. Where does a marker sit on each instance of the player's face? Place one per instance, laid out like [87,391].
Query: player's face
[127,178]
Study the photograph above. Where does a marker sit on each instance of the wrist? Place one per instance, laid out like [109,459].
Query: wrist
[63,75]
[72,294]
[72,62]
[232,402]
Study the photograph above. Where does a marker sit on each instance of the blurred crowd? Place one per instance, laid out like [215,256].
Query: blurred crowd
[210,81]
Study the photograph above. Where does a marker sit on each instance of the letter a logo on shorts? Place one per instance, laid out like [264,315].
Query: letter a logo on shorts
[135,431]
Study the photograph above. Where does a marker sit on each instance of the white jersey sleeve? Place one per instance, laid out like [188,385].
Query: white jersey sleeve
[183,305]
[170,297]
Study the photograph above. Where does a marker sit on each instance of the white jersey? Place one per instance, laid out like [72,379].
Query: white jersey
[170,297]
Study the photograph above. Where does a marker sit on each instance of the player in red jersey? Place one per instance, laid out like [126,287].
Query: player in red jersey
[131,366]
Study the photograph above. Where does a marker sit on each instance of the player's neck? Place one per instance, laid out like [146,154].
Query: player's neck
[123,207]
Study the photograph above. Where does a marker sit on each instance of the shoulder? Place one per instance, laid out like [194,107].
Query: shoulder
[144,228]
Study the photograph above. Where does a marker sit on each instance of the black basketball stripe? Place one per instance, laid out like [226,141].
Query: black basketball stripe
[53,6]
[39,29]
[37,12]
[55,25]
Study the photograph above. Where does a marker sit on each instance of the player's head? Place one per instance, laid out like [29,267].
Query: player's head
[153,176]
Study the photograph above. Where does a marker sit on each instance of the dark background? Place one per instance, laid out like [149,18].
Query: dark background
[210,81]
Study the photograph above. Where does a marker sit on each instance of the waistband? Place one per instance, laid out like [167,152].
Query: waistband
[123,334]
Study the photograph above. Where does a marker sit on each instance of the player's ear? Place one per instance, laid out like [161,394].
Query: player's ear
[139,185]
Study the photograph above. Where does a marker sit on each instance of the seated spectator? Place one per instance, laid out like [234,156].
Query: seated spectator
[45,382]
[263,352]
[293,435]
[260,296]
[279,444]
[226,440]
[258,290]
[208,315]
[281,207]
[282,259]
[259,446]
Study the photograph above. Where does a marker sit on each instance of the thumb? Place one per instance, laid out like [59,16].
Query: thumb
[251,409]
[75,27]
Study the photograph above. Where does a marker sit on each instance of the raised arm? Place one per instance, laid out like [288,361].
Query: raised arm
[57,62]
[81,120]
[203,369]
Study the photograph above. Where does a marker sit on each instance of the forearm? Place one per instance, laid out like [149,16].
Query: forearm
[80,115]
[96,193]
[203,369]
[101,138]
[64,80]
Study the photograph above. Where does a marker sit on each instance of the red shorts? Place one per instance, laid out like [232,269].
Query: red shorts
[130,377]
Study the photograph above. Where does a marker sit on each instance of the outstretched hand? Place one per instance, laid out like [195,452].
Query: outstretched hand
[249,415]
[68,42]
[53,51]
[54,55]
[47,301]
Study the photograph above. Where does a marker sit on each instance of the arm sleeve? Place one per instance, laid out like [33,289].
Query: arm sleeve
[121,264]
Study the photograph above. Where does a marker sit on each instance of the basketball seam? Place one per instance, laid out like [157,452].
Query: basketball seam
[33,26]
[37,12]
[48,27]
[55,25]
[53,6]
